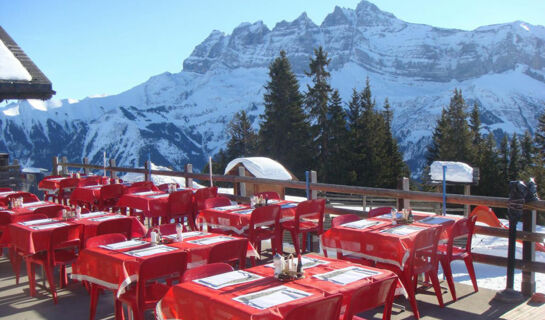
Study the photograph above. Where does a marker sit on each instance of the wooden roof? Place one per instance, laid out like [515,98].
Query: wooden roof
[37,88]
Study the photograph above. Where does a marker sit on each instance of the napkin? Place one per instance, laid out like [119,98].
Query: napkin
[38,221]
[211,240]
[231,207]
[94,214]
[117,216]
[124,244]
[271,297]
[186,235]
[435,220]
[150,251]
[360,224]
[402,230]
[228,279]
[346,275]
[49,226]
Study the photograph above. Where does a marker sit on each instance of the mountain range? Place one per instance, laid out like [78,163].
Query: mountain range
[179,118]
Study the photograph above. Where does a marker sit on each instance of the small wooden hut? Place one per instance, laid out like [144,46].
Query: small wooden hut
[259,167]
[20,78]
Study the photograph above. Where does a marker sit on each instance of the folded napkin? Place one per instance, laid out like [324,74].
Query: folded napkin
[228,279]
[150,251]
[38,221]
[272,297]
[346,275]
[211,240]
[360,224]
[124,244]
[49,226]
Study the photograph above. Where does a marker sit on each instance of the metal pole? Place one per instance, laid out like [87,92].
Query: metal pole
[444,212]
[307,178]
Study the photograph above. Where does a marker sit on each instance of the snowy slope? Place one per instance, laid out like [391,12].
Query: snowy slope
[181,117]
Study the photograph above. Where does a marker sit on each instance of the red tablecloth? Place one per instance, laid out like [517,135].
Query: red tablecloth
[144,201]
[374,244]
[191,300]
[16,213]
[115,270]
[233,220]
[31,241]
[51,185]
[87,194]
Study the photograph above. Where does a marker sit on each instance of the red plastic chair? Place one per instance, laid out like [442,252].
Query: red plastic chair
[268,195]
[165,229]
[230,251]
[309,217]
[146,295]
[27,197]
[180,205]
[63,249]
[327,308]
[423,258]
[109,195]
[379,211]
[261,228]
[207,270]
[216,202]
[164,187]
[121,225]
[450,252]
[16,256]
[342,219]
[51,211]
[371,296]
[66,186]
[203,194]
[94,242]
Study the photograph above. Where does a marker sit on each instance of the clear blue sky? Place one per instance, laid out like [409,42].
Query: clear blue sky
[89,47]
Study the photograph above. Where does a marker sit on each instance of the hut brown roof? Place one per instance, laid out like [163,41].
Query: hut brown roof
[38,87]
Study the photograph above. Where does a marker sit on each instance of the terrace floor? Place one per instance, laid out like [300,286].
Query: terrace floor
[15,303]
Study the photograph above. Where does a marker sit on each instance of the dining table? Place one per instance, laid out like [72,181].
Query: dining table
[115,266]
[255,293]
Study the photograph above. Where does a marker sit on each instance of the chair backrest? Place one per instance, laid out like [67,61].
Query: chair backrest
[180,203]
[268,195]
[164,187]
[104,239]
[216,202]
[121,225]
[230,251]
[264,215]
[462,227]
[342,219]
[5,189]
[27,197]
[425,246]
[69,183]
[310,210]
[111,191]
[203,194]
[88,182]
[54,211]
[379,211]
[136,189]
[327,308]
[64,237]
[29,217]
[207,270]
[165,229]
[146,184]
[370,296]
[159,266]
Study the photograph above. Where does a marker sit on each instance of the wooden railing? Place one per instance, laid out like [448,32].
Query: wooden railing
[527,264]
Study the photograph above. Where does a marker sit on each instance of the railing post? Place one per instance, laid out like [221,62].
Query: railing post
[113,174]
[147,166]
[528,285]
[64,166]
[86,170]
[467,192]
[364,203]
[189,181]
[404,203]
[313,179]
[241,185]
[55,169]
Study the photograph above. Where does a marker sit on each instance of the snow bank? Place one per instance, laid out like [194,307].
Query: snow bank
[456,171]
[261,167]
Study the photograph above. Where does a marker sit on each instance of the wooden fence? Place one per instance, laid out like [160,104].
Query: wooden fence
[528,235]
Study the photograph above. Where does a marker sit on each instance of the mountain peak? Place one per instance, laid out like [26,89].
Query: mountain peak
[370,15]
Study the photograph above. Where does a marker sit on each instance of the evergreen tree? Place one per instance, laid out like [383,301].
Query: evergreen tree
[527,151]
[354,136]
[336,166]
[514,158]
[284,133]
[489,183]
[504,159]
[475,125]
[317,103]
[243,141]
[540,135]
[394,167]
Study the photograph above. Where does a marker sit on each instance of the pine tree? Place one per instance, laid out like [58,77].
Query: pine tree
[316,101]
[475,125]
[284,133]
[243,141]
[394,167]
[527,151]
[354,133]
[489,166]
[514,159]
[337,165]
[504,159]
[540,135]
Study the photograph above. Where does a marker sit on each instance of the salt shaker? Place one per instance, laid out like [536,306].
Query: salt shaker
[394,215]
[277,263]
[153,238]
[179,232]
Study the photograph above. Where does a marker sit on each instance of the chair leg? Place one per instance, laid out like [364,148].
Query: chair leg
[304,238]
[31,278]
[409,287]
[118,307]
[436,287]
[295,239]
[49,275]
[469,265]
[448,274]
[94,301]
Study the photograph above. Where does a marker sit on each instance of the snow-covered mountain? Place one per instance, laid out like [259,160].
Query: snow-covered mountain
[181,118]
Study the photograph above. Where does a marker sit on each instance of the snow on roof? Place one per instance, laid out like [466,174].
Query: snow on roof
[33,170]
[456,171]
[10,67]
[157,179]
[261,167]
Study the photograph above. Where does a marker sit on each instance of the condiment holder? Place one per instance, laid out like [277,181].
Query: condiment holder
[288,269]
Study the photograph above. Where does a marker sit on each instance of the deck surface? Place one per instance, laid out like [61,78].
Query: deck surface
[15,303]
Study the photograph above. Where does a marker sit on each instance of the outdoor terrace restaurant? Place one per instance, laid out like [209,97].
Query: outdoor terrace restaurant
[100,242]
